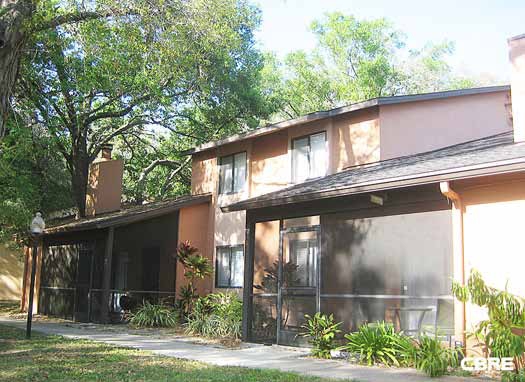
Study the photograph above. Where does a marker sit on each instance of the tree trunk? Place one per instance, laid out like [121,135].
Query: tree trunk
[79,168]
[12,40]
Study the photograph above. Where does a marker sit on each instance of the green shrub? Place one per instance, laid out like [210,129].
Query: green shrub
[379,343]
[321,329]
[218,315]
[433,358]
[509,376]
[154,315]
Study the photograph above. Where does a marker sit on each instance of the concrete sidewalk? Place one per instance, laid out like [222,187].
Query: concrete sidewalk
[248,355]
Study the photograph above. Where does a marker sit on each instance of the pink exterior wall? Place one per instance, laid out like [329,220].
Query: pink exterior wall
[415,127]
[517,62]
[356,139]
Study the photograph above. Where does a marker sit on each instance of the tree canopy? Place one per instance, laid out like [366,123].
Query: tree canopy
[356,60]
[156,77]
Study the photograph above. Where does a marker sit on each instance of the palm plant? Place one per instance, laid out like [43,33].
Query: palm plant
[321,329]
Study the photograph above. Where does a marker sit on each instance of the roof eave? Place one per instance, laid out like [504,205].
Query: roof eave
[315,116]
[125,220]
[494,168]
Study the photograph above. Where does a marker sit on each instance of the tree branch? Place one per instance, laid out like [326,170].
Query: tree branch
[76,17]
[177,167]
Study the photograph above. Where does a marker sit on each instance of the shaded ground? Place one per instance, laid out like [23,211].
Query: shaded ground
[57,358]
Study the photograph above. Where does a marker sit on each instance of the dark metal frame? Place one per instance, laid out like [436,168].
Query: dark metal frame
[309,150]
[233,172]
[282,233]
[230,248]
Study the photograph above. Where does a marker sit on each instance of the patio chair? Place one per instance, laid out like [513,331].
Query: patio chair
[443,326]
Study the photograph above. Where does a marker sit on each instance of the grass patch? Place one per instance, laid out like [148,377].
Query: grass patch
[57,358]
[8,307]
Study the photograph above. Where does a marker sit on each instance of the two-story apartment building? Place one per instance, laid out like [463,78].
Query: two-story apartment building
[366,211]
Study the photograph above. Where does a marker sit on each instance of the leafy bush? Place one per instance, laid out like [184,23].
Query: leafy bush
[433,358]
[154,315]
[502,334]
[218,315]
[321,329]
[379,343]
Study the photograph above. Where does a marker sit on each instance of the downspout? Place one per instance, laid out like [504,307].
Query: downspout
[459,257]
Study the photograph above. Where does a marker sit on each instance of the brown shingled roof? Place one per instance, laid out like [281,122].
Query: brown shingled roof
[129,215]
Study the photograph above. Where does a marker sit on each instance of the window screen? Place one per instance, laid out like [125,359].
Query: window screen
[309,157]
[229,267]
[232,173]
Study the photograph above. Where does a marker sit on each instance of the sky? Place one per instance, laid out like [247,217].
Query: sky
[479,29]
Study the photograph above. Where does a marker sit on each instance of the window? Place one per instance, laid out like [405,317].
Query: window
[303,255]
[232,173]
[229,270]
[309,157]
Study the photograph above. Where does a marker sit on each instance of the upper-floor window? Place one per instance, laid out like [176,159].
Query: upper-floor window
[229,267]
[232,173]
[309,157]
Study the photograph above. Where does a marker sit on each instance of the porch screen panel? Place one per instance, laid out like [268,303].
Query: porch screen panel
[264,288]
[376,268]
[58,281]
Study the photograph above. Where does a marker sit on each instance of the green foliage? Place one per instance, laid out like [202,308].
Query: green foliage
[508,376]
[500,334]
[217,315]
[433,358]
[379,343]
[321,330]
[355,60]
[32,178]
[154,315]
[196,267]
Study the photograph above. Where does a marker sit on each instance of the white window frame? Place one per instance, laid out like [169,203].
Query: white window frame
[231,249]
[309,150]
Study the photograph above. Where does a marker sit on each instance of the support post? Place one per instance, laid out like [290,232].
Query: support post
[32,287]
[460,323]
[106,281]
[248,280]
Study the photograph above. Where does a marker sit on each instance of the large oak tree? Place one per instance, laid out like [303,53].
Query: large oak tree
[186,66]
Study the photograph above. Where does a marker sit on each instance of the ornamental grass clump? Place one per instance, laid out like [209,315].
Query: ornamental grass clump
[217,315]
[433,358]
[154,315]
[378,343]
[321,329]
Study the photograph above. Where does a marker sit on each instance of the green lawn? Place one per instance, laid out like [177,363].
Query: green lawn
[8,307]
[53,358]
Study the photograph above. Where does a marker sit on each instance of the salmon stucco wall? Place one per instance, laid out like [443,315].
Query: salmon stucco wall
[203,172]
[104,189]
[269,164]
[517,62]
[415,127]
[493,236]
[11,274]
[194,226]
[356,139]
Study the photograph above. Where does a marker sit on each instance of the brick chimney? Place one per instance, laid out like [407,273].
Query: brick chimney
[104,189]
[517,83]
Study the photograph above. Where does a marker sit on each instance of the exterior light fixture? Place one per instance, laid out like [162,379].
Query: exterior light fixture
[376,199]
[37,228]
